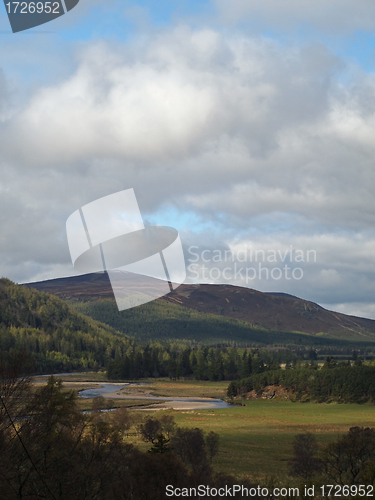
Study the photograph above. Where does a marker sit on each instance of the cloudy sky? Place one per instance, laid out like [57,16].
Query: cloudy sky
[247,125]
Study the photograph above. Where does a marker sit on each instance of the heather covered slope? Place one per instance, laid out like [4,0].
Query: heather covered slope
[273,311]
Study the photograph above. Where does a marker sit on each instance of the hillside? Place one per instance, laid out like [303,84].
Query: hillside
[210,311]
[57,336]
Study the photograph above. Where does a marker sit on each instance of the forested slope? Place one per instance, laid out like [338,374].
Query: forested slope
[160,320]
[57,336]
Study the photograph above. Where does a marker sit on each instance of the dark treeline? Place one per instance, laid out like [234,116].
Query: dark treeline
[49,450]
[339,353]
[334,381]
[176,360]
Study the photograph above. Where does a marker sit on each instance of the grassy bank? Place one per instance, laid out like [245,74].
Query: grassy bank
[256,439]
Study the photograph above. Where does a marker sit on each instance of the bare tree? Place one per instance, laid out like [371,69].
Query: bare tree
[212,444]
[304,463]
[350,458]
[150,430]
[168,424]
[14,386]
[190,445]
[122,420]
[98,404]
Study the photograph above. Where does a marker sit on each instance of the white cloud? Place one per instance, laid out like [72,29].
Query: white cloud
[359,309]
[266,143]
[335,16]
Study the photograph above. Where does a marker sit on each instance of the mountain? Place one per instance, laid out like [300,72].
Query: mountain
[272,312]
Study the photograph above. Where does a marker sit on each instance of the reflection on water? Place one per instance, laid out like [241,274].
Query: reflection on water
[101,391]
[198,403]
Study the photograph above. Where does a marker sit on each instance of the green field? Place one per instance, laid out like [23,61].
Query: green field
[256,439]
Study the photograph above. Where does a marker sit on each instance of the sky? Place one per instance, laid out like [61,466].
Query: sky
[247,125]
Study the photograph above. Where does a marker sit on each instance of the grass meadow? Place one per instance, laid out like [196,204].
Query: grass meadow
[255,439]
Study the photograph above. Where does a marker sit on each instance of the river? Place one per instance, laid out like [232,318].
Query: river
[108,390]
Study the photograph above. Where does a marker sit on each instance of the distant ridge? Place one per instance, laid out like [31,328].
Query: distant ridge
[282,294]
[274,311]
